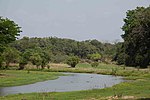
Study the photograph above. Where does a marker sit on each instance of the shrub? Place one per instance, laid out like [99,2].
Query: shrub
[72,61]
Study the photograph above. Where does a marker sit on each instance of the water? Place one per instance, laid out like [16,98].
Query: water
[73,82]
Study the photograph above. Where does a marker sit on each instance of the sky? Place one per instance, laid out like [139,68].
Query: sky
[74,19]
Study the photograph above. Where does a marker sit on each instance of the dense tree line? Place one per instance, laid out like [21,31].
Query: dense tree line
[64,46]
[60,49]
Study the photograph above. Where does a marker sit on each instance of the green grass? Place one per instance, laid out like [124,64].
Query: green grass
[138,87]
[107,69]
[16,77]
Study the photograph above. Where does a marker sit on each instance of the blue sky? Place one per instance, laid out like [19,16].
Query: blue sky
[75,19]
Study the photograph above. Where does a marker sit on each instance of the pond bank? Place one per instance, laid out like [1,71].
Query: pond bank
[139,88]
[21,77]
[71,82]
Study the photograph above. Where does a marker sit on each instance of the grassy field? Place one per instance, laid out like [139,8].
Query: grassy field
[16,77]
[137,88]
[107,69]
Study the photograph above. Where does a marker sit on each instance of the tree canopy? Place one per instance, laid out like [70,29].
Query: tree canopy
[72,61]
[9,31]
[136,46]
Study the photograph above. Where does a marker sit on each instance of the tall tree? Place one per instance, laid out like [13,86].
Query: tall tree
[137,37]
[9,31]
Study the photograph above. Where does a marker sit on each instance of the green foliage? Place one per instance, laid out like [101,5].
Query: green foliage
[120,55]
[120,59]
[136,49]
[109,49]
[97,44]
[26,55]
[1,61]
[24,58]
[57,50]
[11,55]
[8,32]
[64,47]
[85,48]
[72,61]
[36,59]
[45,55]
[37,56]
[95,56]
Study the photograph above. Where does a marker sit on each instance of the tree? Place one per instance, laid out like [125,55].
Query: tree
[97,44]
[45,56]
[36,59]
[137,37]
[9,30]
[120,55]
[95,56]
[24,58]
[85,48]
[22,63]
[10,55]
[73,61]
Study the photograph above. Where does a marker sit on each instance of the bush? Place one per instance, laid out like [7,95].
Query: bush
[72,61]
